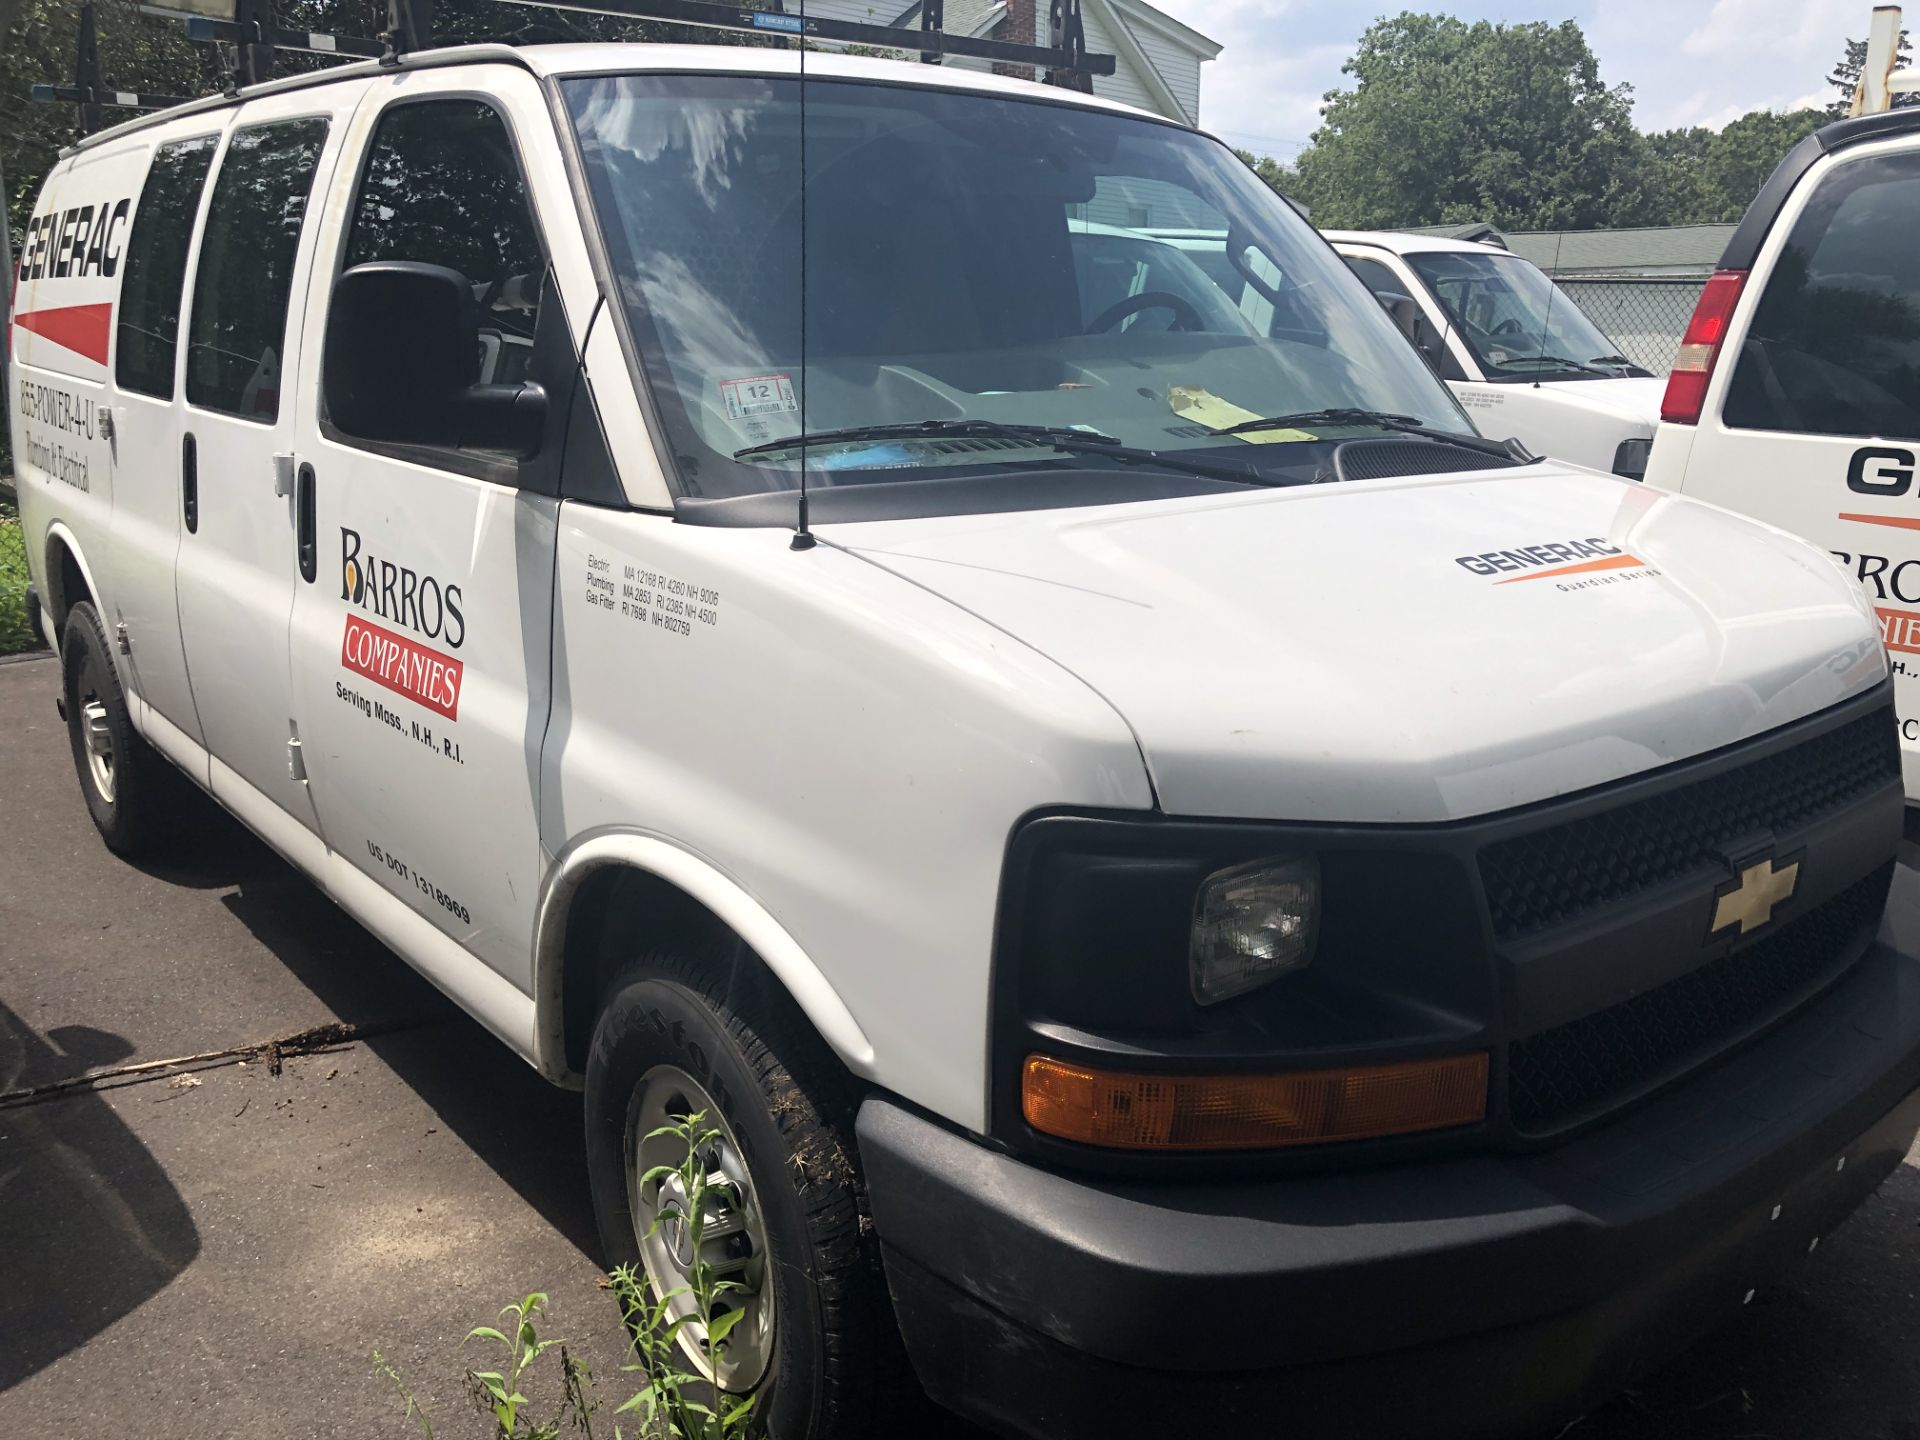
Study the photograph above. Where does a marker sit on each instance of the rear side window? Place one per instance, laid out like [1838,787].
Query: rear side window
[236,339]
[442,186]
[156,266]
[1834,347]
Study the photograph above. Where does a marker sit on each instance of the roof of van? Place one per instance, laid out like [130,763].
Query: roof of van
[617,57]
[1402,243]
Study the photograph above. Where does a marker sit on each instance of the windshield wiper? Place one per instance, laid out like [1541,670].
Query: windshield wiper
[1557,360]
[1379,420]
[1060,437]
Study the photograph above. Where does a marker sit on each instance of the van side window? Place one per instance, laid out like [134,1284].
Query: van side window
[237,337]
[1834,347]
[442,186]
[156,266]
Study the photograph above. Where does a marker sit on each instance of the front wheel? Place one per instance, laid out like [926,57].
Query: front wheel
[816,1342]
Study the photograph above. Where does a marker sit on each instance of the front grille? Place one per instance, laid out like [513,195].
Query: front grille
[1574,1070]
[1552,876]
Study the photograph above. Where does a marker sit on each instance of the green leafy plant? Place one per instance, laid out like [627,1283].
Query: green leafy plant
[383,1370]
[499,1390]
[672,1398]
[674,1403]
[14,634]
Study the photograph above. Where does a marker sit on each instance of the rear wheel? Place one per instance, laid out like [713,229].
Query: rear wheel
[817,1342]
[120,775]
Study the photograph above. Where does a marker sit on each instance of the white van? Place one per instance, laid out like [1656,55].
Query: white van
[1520,355]
[1796,394]
[747,586]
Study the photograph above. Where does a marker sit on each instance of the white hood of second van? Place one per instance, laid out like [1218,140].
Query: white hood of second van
[1628,397]
[1322,653]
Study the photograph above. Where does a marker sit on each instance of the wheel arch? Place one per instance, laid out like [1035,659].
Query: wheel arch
[69,579]
[663,890]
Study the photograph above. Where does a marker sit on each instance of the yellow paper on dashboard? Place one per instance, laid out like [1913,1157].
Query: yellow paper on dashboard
[1203,407]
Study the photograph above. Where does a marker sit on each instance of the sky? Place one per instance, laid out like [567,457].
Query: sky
[1690,62]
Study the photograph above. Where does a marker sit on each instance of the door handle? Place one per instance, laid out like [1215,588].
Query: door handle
[282,476]
[304,524]
[190,483]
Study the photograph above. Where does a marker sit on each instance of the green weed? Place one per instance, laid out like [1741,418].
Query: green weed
[14,634]
[673,1402]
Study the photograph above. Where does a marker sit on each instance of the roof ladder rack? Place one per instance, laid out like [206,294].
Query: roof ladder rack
[89,90]
[1067,60]
[250,38]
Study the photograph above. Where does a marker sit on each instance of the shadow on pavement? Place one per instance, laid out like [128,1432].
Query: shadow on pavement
[94,1227]
[525,1130]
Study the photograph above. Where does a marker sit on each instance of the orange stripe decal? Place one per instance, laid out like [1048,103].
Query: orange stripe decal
[1894,522]
[1585,567]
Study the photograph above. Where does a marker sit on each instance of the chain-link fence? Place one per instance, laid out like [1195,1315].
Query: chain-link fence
[1644,315]
[14,634]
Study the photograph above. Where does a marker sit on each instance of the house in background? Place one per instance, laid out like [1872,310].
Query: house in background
[1157,59]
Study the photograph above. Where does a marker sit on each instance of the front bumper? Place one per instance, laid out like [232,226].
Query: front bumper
[1479,1295]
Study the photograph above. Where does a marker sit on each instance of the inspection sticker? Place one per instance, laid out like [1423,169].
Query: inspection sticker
[758,395]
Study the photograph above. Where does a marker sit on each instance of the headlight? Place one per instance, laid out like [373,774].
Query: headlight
[1251,925]
[1630,458]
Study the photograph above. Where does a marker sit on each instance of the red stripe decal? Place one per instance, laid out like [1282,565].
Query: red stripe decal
[402,665]
[82,329]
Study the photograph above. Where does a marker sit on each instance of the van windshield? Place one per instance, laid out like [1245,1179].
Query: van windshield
[1517,322]
[954,258]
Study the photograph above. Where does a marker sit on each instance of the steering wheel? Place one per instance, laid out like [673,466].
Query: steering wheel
[1508,326]
[1185,316]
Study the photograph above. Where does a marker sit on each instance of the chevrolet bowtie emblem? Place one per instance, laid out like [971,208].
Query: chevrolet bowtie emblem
[1750,900]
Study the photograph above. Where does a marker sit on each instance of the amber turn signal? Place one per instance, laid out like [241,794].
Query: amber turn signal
[1128,1111]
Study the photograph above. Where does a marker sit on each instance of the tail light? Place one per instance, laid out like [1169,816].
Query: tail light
[1699,348]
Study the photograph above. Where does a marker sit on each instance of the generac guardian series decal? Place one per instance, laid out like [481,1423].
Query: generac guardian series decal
[78,242]
[1553,558]
[404,596]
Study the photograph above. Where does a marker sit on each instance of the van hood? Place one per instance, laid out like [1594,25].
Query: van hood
[1409,650]
[1625,397]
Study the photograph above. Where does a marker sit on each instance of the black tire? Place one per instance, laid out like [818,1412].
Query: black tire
[838,1370]
[127,808]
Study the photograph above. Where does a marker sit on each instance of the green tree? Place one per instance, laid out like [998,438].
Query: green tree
[1744,153]
[1845,77]
[1449,121]
[1700,176]
[1281,177]
[139,52]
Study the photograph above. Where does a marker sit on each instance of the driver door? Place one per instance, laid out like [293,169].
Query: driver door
[423,626]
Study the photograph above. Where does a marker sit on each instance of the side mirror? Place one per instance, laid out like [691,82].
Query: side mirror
[403,361]
[1401,309]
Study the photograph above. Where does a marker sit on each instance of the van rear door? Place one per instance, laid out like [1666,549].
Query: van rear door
[1812,418]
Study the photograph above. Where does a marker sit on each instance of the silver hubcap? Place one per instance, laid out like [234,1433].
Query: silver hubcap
[733,1241]
[97,735]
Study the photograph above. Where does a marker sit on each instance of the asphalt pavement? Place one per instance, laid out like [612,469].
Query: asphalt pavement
[221,1258]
